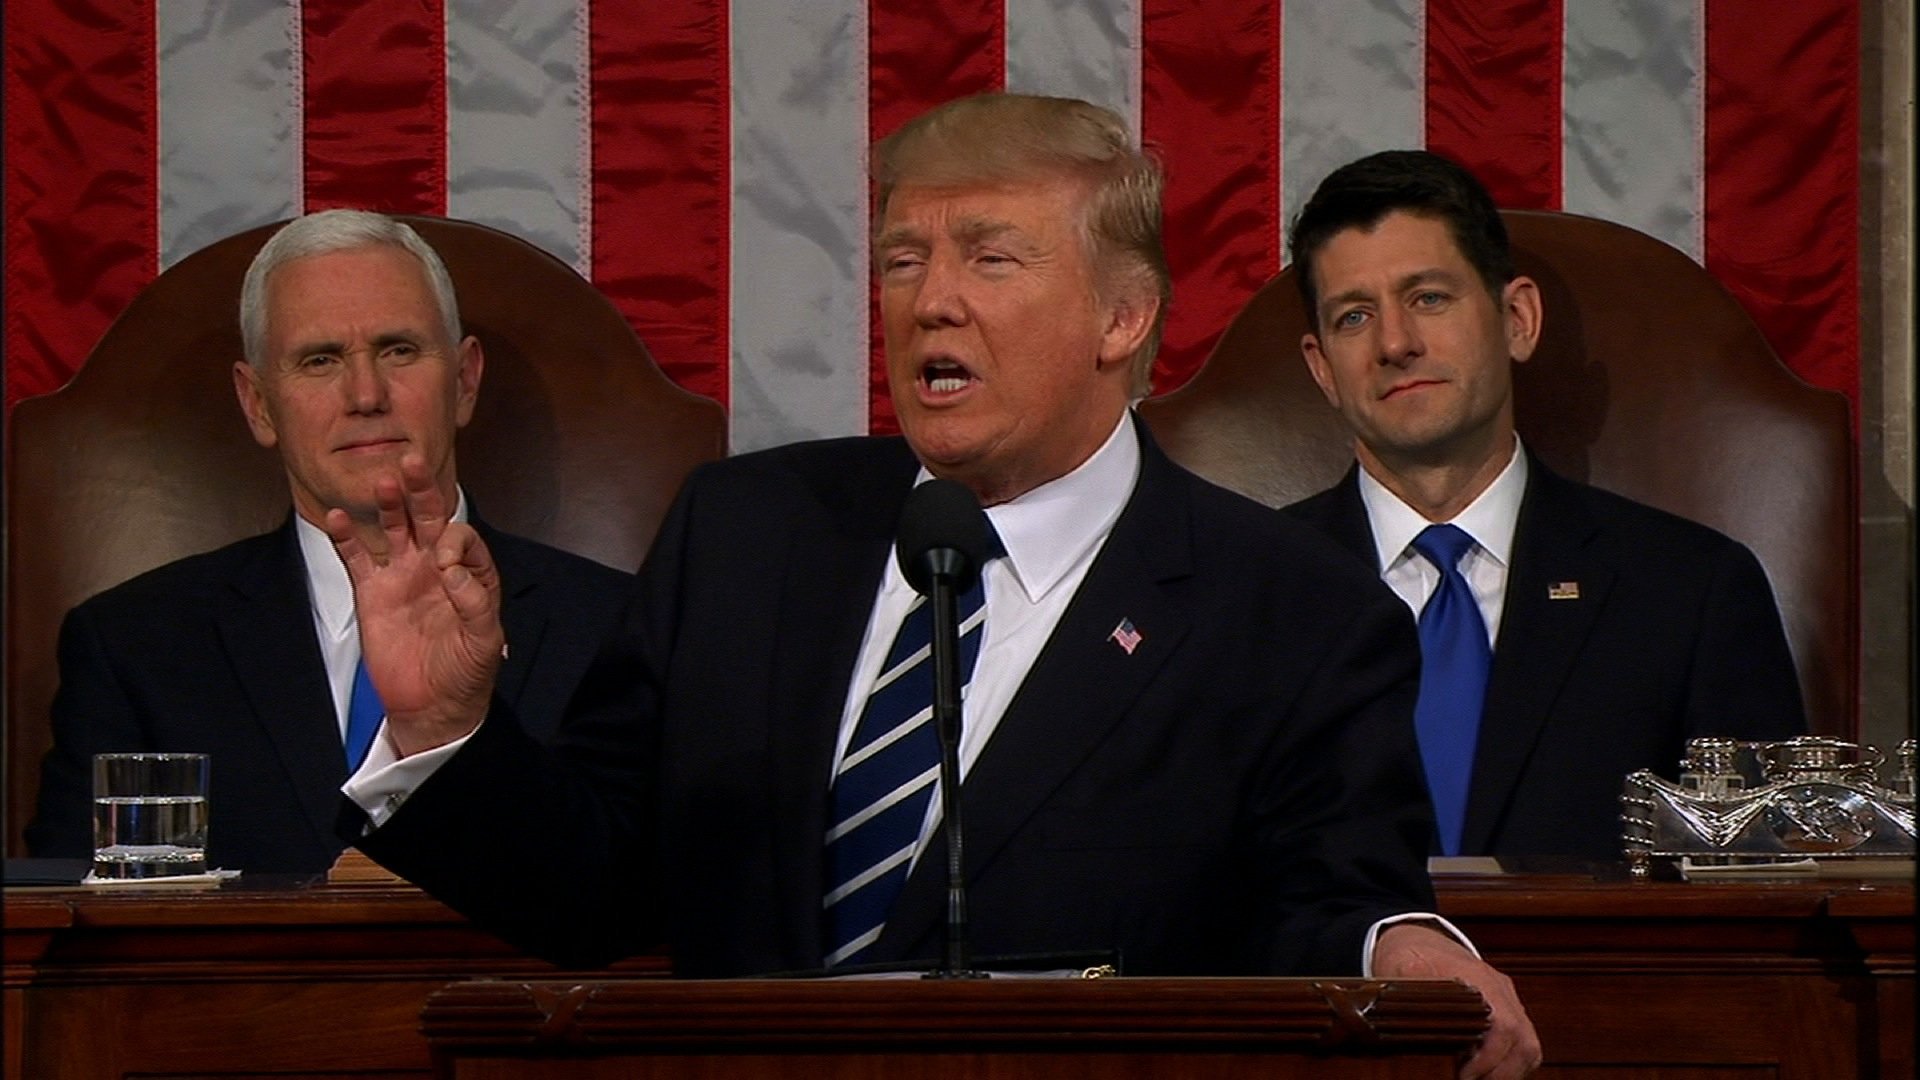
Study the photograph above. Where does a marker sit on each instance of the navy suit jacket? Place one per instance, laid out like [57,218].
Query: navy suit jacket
[1673,635]
[216,653]
[1239,793]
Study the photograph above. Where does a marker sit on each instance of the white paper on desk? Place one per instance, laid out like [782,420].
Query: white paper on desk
[1463,864]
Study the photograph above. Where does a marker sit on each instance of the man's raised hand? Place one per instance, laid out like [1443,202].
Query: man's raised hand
[428,603]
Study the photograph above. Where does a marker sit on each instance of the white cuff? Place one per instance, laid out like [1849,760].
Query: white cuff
[385,779]
[1438,923]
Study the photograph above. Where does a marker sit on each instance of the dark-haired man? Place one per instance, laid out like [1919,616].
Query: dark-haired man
[1571,636]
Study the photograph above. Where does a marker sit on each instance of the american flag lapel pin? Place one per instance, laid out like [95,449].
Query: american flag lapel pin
[1563,590]
[1126,636]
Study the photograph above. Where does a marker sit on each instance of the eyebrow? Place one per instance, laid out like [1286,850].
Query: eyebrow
[1429,276]
[975,229]
[380,341]
[970,229]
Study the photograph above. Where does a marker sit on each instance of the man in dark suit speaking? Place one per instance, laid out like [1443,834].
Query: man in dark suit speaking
[1571,636]
[251,653]
[1186,740]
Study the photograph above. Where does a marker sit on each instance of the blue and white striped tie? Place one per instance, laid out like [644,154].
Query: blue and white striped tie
[889,775]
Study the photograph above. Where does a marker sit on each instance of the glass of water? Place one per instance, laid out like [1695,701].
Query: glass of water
[149,815]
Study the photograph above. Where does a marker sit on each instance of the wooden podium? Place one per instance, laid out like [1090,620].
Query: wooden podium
[1625,980]
[1006,1029]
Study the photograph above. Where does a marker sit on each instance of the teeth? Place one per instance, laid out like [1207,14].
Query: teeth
[946,384]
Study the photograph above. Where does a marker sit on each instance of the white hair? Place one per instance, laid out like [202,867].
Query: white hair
[329,231]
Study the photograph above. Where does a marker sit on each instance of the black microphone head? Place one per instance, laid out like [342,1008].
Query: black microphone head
[943,532]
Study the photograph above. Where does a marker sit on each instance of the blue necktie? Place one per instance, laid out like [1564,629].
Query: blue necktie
[1453,681]
[364,713]
[888,777]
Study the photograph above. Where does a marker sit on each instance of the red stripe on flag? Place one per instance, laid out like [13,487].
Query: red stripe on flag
[82,226]
[662,181]
[1782,208]
[1210,100]
[920,55]
[376,105]
[1493,94]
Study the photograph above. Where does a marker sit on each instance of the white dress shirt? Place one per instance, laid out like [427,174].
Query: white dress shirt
[1489,520]
[1051,534]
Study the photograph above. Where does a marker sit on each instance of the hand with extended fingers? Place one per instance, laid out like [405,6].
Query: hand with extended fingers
[428,602]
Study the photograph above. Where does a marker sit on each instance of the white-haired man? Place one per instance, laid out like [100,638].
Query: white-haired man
[251,653]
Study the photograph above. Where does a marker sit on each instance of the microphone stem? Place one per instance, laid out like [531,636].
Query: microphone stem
[946,721]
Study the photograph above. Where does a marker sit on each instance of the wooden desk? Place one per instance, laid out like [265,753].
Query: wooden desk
[1703,980]
[326,981]
[1806,979]
[955,1029]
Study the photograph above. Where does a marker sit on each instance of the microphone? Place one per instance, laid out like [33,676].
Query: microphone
[942,542]
[943,533]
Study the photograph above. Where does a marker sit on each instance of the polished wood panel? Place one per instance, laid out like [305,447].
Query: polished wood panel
[1001,1028]
[1657,979]
[274,981]
[1670,979]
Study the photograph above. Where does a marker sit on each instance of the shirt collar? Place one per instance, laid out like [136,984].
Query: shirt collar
[1049,530]
[1489,519]
[327,584]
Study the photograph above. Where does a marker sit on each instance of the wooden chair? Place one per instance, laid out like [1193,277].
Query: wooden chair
[578,440]
[1650,381]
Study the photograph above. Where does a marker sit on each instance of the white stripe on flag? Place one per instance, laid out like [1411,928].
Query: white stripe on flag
[1353,79]
[229,132]
[516,133]
[1088,49]
[1633,116]
[799,248]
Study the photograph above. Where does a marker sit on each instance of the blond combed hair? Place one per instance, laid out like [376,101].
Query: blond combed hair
[1013,138]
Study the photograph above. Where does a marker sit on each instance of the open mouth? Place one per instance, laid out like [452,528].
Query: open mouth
[944,376]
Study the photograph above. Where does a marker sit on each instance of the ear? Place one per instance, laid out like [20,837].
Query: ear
[253,402]
[1321,370]
[473,363]
[1129,321]
[1520,306]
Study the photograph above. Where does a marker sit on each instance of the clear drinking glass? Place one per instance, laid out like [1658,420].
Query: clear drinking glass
[149,815]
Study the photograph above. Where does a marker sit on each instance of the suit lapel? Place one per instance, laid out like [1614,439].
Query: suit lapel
[1542,631]
[267,632]
[831,572]
[1540,636]
[1343,516]
[1080,688]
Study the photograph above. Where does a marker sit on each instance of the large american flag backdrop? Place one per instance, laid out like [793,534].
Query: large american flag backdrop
[702,162]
